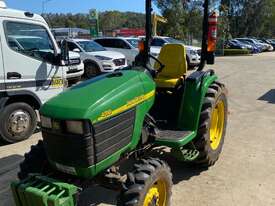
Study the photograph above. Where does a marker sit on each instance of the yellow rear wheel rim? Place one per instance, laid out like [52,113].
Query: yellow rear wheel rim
[156,195]
[217,125]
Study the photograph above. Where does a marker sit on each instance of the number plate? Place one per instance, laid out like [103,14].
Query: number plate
[57,82]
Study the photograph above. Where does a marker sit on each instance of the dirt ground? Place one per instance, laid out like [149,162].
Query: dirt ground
[245,173]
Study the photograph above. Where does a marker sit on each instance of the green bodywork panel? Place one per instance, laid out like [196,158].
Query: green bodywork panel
[91,98]
[189,114]
[42,191]
[102,97]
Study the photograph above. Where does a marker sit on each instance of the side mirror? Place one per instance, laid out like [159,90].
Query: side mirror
[64,53]
[77,50]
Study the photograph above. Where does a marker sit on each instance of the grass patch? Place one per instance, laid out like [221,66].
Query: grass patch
[236,52]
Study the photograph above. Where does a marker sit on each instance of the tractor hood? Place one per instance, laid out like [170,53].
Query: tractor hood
[94,98]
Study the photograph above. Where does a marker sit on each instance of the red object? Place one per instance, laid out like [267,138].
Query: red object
[130,32]
[212,31]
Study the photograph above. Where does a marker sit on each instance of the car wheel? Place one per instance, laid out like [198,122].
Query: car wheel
[91,70]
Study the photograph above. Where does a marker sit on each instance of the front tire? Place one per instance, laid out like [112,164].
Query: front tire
[212,127]
[91,70]
[149,184]
[19,122]
[35,162]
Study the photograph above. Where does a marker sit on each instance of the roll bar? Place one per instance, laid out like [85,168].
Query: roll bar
[204,54]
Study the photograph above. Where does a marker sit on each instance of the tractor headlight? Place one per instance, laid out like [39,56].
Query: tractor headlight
[75,127]
[46,122]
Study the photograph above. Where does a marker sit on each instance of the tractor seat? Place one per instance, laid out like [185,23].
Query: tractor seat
[173,56]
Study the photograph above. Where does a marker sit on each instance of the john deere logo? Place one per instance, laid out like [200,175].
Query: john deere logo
[56,125]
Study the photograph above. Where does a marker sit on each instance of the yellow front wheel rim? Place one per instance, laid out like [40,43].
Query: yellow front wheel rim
[156,195]
[217,125]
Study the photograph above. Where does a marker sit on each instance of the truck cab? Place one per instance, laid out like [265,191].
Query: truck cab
[31,71]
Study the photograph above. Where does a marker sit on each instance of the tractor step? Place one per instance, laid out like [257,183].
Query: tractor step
[43,191]
[171,135]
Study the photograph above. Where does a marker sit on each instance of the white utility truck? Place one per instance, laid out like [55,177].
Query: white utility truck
[33,69]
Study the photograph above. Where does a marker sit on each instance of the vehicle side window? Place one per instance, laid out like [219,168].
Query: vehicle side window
[120,44]
[30,39]
[157,42]
[103,42]
[113,43]
[72,46]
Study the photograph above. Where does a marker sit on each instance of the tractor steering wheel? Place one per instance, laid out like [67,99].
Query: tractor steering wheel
[159,62]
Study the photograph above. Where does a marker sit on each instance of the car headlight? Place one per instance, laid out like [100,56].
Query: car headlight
[155,54]
[103,58]
[75,127]
[46,122]
[193,52]
[74,61]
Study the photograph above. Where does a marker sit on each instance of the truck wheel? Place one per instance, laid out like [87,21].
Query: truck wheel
[19,121]
[212,128]
[91,70]
[149,184]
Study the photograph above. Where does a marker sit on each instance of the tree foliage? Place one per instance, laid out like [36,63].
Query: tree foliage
[184,18]
[250,17]
[237,18]
[109,20]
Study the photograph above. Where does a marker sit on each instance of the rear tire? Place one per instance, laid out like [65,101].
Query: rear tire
[212,126]
[19,122]
[91,70]
[35,162]
[150,183]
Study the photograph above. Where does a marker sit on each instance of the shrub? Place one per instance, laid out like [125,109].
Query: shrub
[235,52]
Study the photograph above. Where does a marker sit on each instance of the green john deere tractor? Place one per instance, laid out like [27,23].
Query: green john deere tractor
[105,130]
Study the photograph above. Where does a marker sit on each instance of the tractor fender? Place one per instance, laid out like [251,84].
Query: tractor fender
[196,87]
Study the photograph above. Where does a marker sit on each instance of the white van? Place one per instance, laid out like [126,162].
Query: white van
[31,71]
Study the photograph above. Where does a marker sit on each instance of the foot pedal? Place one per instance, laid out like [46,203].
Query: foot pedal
[185,155]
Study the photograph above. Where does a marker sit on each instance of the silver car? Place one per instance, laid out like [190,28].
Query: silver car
[96,58]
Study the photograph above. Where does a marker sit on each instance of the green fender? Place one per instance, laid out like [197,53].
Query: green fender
[196,88]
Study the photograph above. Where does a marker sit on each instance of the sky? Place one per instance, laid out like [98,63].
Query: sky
[76,6]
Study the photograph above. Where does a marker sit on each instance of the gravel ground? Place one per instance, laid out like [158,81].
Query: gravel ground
[245,173]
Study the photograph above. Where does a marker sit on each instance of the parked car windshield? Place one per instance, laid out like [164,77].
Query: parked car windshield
[173,41]
[133,42]
[91,46]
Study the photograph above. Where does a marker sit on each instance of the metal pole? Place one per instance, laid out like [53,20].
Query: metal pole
[148,30]
[204,36]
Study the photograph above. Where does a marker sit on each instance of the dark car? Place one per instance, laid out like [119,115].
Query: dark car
[236,44]
[257,46]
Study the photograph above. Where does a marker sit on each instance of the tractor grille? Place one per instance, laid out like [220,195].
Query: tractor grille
[119,62]
[113,134]
[83,151]
[69,150]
